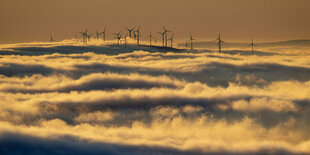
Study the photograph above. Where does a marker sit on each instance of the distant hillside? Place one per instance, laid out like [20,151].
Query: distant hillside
[302,42]
[213,44]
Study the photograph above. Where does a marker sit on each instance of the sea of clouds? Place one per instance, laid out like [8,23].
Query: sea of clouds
[69,98]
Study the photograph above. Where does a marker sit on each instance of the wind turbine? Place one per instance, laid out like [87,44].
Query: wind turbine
[97,34]
[138,35]
[191,41]
[134,35]
[52,39]
[171,40]
[252,44]
[89,35]
[84,34]
[186,44]
[118,36]
[220,42]
[125,39]
[163,37]
[150,36]
[104,34]
[165,32]
[130,30]
[155,39]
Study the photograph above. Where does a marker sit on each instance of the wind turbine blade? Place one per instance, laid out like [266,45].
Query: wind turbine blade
[164,28]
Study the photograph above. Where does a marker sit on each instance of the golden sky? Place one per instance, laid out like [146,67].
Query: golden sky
[237,20]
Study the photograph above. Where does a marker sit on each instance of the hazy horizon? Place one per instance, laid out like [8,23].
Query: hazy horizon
[238,20]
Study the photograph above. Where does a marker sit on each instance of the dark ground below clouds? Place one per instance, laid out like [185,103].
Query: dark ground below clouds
[17,144]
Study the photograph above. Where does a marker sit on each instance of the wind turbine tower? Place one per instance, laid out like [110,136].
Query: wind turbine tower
[220,42]
[171,40]
[138,35]
[118,36]
[97,34]
[166,38]
[104,34]
[150,36]
[84,34]
[191,41]
[125,40]
[51,38]
[88,36]
[163,37]
[186,44]
[252,45]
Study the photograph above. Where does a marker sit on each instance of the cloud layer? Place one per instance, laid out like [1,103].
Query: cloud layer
[66,98]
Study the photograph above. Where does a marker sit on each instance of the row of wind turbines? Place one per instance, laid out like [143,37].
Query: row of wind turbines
[135,34]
